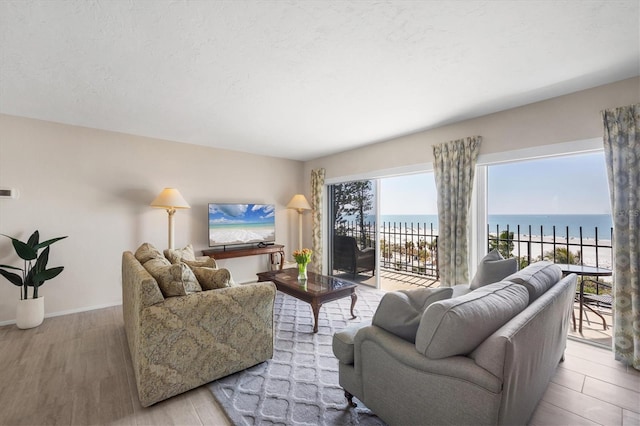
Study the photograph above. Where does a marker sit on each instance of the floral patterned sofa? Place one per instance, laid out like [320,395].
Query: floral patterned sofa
[179,342]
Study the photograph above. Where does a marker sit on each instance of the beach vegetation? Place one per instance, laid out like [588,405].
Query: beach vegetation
[563,255]
[523,261]
[355,200]
[504,244]
[341,207]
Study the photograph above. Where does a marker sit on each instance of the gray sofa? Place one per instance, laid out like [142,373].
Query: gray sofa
[484,357]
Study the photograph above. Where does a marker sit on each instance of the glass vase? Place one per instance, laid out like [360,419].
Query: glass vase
[302,271]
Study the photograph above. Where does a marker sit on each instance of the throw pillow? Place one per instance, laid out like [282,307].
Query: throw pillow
[399,312]
[173,280]
[537,278]
[147,252]
[457,326]
[206,263]
[179,255]
[492,269]
[155,264]
[212,279]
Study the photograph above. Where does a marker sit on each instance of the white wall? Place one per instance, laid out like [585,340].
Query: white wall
[95,186]
[563,119]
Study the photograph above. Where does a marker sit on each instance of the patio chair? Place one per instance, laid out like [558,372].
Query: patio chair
[596,301]
[349,258]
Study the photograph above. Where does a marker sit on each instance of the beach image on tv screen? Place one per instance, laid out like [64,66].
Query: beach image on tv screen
[241,224]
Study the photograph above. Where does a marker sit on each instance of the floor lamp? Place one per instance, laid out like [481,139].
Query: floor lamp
[299,203]
[171,200]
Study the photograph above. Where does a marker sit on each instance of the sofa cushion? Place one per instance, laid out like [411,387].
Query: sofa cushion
[212,279]
[457,326]
[343,343]
[537,278]
[492,269]
[204,263]
[179,255]
[147,252]
[173,280]
[399,312]
[460,290]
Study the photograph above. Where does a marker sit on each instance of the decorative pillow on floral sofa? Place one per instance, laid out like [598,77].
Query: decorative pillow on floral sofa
[178,272]
[173,280]
[179,255]
[188,256]
[147,252]
[213,279]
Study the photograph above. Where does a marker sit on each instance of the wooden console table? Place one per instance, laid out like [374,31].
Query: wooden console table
[274,251]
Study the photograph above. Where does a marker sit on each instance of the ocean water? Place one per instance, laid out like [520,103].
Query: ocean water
[544,224]
[540,224]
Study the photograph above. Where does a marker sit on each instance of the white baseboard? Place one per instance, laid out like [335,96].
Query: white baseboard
[70,311]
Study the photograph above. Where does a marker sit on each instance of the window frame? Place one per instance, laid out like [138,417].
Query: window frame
[479,216]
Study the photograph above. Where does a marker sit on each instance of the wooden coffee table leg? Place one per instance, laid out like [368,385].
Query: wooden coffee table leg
[315,307]
[354,299]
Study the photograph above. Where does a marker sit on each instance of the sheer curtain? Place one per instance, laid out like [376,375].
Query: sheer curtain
[622,154]
[317,183]
[454,168]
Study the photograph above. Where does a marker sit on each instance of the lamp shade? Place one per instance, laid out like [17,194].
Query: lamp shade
[299,202]
[170,198]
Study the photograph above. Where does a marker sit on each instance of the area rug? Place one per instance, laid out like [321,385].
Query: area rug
[299,386]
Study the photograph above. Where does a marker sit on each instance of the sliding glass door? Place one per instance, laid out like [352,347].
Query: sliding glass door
[383,232]
[352,230]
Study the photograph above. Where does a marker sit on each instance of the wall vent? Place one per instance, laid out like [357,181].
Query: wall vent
[8,193]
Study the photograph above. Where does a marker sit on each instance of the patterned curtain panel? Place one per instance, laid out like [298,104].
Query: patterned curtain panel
[622,153]
[317,183]
[455,164]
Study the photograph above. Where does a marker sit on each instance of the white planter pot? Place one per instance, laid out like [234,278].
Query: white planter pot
[30,313]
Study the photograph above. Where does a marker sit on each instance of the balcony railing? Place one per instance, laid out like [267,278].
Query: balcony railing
[404,247]
[556,246]
[412,247]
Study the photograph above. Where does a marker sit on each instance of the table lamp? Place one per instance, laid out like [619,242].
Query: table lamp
[300,204]
[171,200]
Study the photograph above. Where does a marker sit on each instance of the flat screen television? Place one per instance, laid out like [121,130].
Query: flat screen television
[233,224]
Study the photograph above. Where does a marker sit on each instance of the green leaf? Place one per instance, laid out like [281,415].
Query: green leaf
[47,274]
[34,239]
[48,242]
[22,250]
[28,280]
[11,267]
[15,279]
[43,259]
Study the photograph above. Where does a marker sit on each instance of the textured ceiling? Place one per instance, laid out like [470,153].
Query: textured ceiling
[302,79]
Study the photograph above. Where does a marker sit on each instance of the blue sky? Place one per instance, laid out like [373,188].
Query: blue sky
[575,184]
[241,213]
[410,194]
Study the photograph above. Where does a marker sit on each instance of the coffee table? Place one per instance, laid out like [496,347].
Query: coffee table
[317,289]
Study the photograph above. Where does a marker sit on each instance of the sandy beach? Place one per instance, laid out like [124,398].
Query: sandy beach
[240,236]
[591,255]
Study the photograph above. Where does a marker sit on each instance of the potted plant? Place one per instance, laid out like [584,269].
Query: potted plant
[30,312]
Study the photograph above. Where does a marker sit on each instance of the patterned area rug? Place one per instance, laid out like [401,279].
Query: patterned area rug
[299,386]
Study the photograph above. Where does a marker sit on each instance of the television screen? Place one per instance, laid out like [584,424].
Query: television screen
[231,224]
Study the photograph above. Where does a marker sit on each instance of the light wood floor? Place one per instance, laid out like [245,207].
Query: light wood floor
[76,369]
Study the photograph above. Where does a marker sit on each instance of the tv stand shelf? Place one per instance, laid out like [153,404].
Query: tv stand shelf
[275,252]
